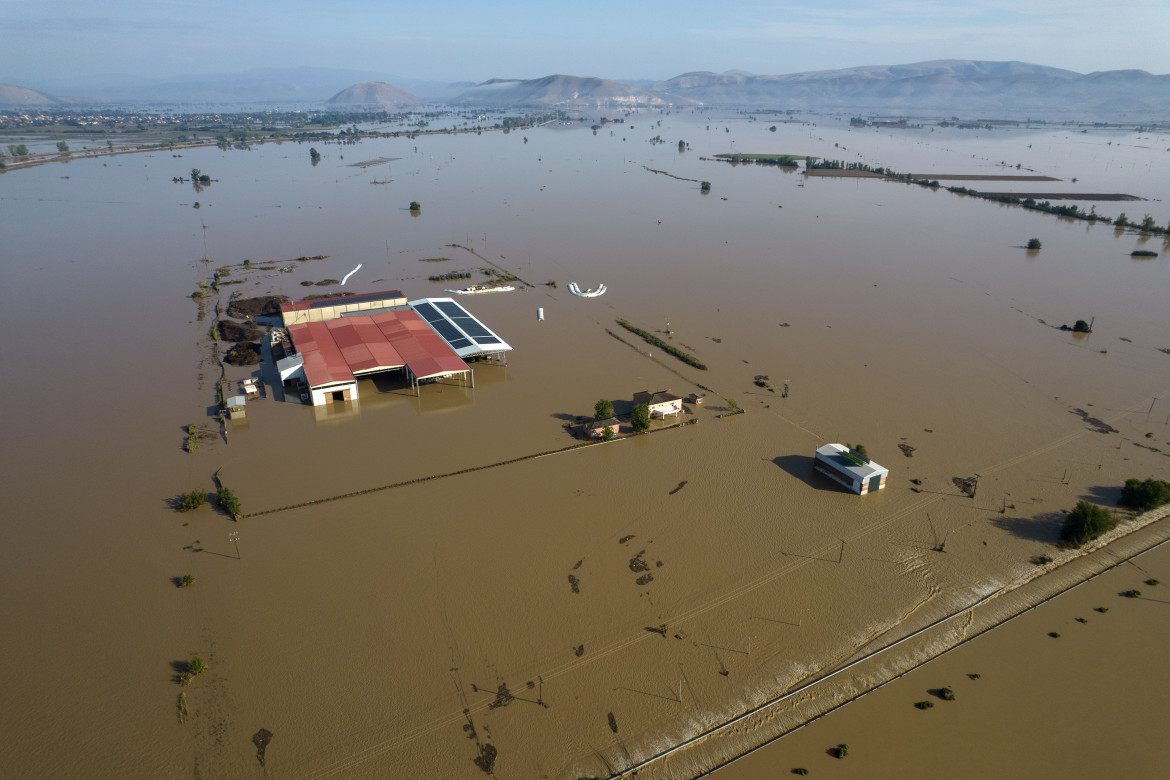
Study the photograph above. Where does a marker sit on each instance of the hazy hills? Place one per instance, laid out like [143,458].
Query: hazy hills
[967,88]
[558,90]
[374,95]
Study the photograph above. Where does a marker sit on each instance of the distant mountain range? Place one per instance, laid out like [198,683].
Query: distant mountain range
[967,88]
[374,95]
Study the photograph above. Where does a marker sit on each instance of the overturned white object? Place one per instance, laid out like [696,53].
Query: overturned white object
[596,291]
[351,273]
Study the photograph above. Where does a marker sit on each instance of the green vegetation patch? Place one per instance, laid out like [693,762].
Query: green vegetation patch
[228,502]
[653,340]
[773,157]
[192,500]
[1145,495]
[1085,523]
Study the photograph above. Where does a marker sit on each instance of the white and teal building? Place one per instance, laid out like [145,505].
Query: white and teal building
[850,469]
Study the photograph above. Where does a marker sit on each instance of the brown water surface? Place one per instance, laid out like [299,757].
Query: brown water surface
[371,636]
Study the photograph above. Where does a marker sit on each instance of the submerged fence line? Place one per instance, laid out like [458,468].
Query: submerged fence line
[468,470]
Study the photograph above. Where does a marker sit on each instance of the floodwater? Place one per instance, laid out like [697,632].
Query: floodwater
[410,631]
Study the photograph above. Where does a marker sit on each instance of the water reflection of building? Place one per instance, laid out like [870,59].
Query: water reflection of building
[334,342]
[850,468]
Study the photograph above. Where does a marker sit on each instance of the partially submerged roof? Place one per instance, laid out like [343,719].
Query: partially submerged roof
[464,333]
[337,351]
[653,399]
[612,422]
[846,460]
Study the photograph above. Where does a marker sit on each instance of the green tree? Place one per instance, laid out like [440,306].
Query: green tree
[1084,523]
[314,155]
[192,500]
[705,186]
[1148,223]
[195,174]
[608,433]
[1145,495]
[228,502]
[602,410]
[1081,327]
[682,146]
[640,417]
[196,666]
[1033,243]
[415,206]
[187,580]
[732,405]
[63,148]
[1121,220]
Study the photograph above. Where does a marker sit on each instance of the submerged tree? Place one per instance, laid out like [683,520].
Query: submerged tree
[602,410]
[1033,243]
[640,417]
[1085,523]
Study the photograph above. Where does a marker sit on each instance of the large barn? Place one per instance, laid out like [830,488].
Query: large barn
[337,341]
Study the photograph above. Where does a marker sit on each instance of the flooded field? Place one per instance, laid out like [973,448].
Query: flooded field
[575,614]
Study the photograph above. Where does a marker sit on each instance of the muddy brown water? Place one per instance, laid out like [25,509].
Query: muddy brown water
[370,636]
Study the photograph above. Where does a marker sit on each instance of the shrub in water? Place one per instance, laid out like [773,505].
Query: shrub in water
[192,500]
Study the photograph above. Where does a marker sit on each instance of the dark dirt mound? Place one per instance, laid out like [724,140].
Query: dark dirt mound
[637,564]
[244,354]
[235,331]
[1095,424]
[486,760]
[327,282]
[265,305]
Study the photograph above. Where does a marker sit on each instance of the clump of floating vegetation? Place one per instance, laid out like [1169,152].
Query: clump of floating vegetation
[449,276]
[434,259]
[653,340]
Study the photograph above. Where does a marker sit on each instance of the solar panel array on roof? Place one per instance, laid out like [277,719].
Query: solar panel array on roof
[466,335]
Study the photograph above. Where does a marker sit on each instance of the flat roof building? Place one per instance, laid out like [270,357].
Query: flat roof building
[849,468]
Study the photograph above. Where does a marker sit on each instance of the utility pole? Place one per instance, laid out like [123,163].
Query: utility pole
[234,537]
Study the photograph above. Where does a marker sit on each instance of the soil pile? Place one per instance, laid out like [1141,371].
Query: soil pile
[244,354]
[235,331]
[263,306]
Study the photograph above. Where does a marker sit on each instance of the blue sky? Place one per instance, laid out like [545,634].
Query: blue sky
[53,41]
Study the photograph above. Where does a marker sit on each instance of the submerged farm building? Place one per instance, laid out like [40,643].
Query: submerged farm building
[846,466]
[660,403]
[337,341]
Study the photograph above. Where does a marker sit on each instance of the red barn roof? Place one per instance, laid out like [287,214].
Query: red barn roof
[337,350]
